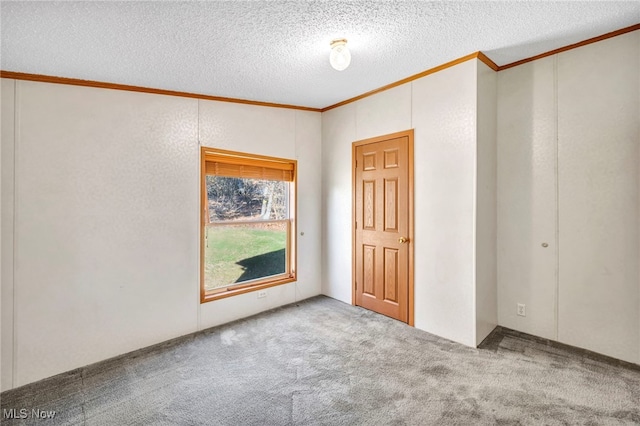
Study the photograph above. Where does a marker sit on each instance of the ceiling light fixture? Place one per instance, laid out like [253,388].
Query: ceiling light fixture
[340,57]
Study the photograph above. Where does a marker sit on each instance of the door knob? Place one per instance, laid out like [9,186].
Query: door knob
[403,240]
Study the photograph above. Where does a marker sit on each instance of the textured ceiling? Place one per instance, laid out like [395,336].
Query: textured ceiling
[278,51]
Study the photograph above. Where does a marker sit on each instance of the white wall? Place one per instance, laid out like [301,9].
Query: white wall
[387,112]
[308,152]
[568,156]
[444,118]
[442,109]
[7,94]
[107,219]
[338,132]
[283,133]
[598,146]
[527,197]
[6,217]
[103,233]
[486,205]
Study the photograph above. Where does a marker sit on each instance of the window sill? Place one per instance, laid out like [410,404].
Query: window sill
[210,297]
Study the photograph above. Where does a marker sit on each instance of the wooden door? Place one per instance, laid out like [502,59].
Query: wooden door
[383,225]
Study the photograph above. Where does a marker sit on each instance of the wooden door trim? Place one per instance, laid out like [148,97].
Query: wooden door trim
[354,145]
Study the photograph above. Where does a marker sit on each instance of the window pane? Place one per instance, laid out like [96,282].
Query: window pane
[246,199]
[238,253]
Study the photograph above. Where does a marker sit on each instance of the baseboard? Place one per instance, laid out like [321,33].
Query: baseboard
[492,341]
[61,377]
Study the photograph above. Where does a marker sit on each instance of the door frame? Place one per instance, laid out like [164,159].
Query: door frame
[354,145]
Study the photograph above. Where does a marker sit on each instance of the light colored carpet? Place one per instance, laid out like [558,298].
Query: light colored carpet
[326,362]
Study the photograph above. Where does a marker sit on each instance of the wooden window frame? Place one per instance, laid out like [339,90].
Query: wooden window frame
[209,155]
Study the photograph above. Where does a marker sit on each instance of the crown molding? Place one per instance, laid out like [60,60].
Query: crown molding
[406,80]
[103,85]
[572,46]
[477,55]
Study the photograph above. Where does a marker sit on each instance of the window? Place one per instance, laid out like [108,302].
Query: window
[248,223]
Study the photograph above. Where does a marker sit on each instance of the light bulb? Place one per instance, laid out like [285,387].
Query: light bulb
[340,57]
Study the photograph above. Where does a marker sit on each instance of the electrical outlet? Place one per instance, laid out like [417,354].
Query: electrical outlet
[522,310]
[262,293]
